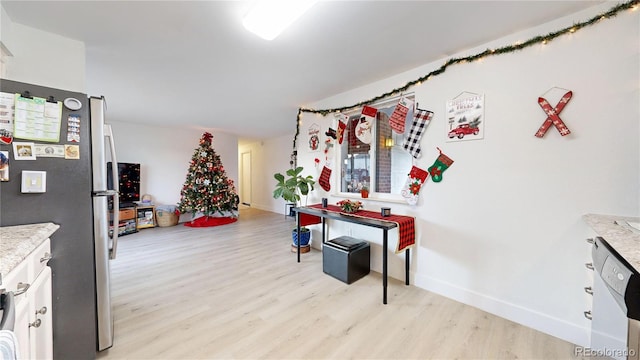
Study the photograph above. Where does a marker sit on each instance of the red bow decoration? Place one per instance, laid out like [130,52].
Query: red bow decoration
[207,137]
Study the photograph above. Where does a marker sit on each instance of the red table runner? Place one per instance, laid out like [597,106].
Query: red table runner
[406,224]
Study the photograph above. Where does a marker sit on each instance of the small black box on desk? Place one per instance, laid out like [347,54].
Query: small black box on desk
[346,258]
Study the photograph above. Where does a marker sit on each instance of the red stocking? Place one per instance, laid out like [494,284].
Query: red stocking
[324,179]
[411,188]
[341,128]
[399,115]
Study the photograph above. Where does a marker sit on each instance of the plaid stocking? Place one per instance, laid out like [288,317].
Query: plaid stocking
[324,179]
[421,119]
[411,188]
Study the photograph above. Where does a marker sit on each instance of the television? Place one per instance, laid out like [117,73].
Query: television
[129,181]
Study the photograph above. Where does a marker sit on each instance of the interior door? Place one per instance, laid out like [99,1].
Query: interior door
[245,188]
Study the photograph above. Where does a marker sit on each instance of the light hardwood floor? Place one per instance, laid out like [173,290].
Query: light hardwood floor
[236,291]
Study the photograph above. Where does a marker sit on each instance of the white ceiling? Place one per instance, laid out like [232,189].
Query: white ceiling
[192,62]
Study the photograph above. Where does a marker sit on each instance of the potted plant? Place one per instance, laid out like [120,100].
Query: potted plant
[349,207]
[291,189]
[364,192]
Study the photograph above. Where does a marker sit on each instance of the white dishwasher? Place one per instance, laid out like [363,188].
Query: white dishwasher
[615,326]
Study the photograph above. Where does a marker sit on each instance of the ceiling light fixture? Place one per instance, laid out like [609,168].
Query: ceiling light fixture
[268,18]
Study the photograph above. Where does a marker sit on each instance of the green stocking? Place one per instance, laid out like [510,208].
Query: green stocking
[441,164]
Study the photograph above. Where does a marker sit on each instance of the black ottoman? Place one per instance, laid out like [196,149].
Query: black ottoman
[346,258]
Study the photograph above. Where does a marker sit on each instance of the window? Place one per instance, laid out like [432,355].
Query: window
[371,154]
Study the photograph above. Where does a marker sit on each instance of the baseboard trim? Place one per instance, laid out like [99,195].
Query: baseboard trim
[536,320]
[262,207]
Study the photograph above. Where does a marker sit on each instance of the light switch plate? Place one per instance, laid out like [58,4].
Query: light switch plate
[34,181]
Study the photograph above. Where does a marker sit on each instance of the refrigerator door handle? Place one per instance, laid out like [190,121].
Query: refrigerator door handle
[116,190]
[105,192]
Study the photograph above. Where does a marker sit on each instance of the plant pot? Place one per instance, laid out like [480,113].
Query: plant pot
[305,236]
[364,193]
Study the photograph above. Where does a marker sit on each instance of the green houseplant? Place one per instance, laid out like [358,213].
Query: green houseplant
[291,189]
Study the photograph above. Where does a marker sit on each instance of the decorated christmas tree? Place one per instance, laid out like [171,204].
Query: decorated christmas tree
[207,189]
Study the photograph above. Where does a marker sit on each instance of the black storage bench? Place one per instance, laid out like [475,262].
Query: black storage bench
[346,259]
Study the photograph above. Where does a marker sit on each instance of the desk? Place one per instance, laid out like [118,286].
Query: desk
[376,223]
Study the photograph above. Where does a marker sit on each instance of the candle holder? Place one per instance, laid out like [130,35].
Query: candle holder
[385,211]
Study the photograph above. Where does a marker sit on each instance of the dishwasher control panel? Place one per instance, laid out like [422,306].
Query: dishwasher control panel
[615,274]
[620,279]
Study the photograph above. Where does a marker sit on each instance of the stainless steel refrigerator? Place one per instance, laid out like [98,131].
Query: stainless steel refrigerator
[76,198]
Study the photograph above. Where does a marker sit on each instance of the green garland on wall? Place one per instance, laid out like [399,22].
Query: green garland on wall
[540,39]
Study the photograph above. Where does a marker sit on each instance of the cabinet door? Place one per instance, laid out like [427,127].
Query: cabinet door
[41,330]
[17,281]
[21,327]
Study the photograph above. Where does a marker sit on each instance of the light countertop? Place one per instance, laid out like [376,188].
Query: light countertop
[613,229]
[17,242]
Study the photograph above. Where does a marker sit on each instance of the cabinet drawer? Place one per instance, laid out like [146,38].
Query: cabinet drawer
[39,258]
[127,214]
[19,274]
[18,281]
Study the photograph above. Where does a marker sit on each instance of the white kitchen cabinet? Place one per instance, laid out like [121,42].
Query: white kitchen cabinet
[40,326]
[16,281]
[30,281]
[21,328]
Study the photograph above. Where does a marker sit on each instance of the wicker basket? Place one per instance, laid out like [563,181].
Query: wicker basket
[166,218]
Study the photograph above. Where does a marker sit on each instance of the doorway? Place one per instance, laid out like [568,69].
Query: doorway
[245,178]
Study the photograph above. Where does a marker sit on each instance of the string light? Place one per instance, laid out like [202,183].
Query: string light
[631,5]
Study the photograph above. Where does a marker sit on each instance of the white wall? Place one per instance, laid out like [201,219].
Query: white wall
[164,154]
[267,158]
[503,230]
[42,58]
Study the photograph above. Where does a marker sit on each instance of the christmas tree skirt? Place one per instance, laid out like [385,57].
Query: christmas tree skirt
[207,221]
